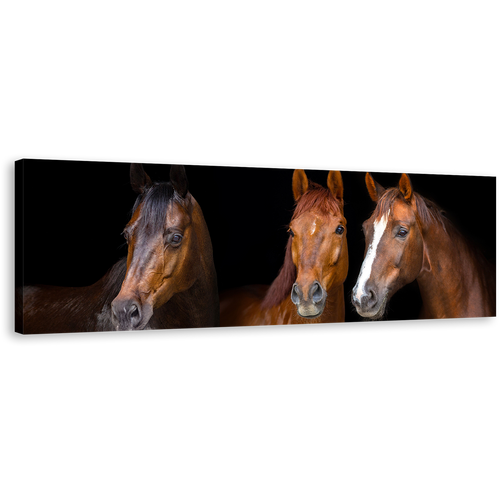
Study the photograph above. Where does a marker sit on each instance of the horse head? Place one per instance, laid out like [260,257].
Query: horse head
[163,254]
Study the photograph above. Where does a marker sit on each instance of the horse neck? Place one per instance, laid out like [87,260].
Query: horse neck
[207,276]
[203,240]
[198,306]
[450,277]
[335,306]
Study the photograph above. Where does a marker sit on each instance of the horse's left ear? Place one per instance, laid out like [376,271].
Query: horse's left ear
[405,187]
[335,184]
[179,180]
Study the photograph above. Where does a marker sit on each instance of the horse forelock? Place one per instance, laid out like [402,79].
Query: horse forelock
[427,211]
[154,205]
[317,198]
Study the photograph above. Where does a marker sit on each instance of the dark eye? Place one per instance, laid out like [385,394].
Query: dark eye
[126,235]
[340,230]
[176,239]
[291,232]
[402,233]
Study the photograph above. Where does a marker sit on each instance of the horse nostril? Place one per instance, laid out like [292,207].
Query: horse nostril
[295,294]
[126,313]
[134,314]
[133,311]
[370,298]
[317,294]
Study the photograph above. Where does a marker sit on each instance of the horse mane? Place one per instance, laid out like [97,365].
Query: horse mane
[155,203]
[427,210]
[316,198]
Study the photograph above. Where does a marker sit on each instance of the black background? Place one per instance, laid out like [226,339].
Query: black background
[74,213]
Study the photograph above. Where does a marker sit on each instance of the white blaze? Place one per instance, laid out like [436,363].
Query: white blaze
[366,269]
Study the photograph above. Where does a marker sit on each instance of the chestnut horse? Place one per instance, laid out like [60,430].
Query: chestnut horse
[310,285]
[408,238]
[168,279]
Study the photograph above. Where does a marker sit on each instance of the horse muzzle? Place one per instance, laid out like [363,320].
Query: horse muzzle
[310,301]
[130,314]
[368,303]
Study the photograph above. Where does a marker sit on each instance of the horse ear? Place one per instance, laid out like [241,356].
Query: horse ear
[335,184]
[300,184]
[179,180]
[405,187]
[375,190]
[139,179]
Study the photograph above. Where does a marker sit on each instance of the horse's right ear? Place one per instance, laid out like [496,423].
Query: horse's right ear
[139,179]
[375,190]
[300,184]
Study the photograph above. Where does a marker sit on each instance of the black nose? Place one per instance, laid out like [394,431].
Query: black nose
[367,300]
[315,294]
[126,313]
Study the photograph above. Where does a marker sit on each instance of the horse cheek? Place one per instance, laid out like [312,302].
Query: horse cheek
[417,257]
[412,260]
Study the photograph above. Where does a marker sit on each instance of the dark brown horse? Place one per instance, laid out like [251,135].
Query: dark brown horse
[168,279]
[408,238]
[310,285]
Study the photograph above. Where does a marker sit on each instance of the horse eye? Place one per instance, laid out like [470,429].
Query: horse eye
[176,238]
[402,233]
[339,230]
[291,232]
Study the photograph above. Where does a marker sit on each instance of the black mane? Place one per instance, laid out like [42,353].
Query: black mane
[154,205]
